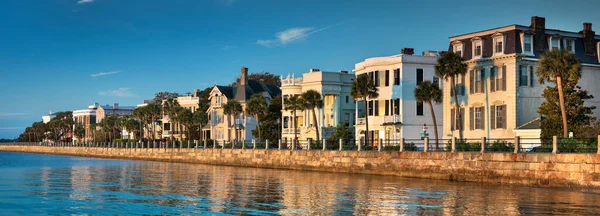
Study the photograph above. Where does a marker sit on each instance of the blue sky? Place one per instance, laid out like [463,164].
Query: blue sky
[67,54]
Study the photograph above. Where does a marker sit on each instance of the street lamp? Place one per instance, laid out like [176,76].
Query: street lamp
[424,133]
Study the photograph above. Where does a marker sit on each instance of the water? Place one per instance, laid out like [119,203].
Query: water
[33,184]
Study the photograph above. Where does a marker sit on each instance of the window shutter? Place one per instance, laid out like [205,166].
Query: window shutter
[504,111]
[471,81]
[530,76]
[452,119]
[504,78]
[493,79]
[462,118]
[493,117]
[482,80]
[482,117]
[471,119]
[376,108]
[387,77]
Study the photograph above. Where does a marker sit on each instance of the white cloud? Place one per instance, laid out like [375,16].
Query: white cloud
[85,1]
[105,73]
[120,92]
[227,48]
[293,34]
[12,114]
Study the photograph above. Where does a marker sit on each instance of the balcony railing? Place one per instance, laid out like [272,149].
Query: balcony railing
[290,131]
[392,119]
[291,81]
[216,104]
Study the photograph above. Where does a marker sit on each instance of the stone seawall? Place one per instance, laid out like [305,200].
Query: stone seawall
[556,170]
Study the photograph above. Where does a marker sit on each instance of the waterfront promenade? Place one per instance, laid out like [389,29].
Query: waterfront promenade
[543,169]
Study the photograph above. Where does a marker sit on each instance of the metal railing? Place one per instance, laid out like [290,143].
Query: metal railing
[482,145]
[392,119]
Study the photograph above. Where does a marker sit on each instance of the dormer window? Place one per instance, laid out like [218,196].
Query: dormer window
[477,47]
[498,43]
[527,43]
[570,45]
[554,42]
[457,48]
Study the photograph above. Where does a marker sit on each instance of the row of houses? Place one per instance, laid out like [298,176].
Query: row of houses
[498,97]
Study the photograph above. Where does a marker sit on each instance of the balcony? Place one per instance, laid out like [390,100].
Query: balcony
[216,104]
[391,120]
[290,131]
[291,81]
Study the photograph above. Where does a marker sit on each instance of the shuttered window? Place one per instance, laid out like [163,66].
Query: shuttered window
[387,77]
[387,107]
[397,76]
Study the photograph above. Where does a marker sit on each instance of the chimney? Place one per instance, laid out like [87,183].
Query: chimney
[116,106]
[588,39]
[244,77]
[408,51]
[538,26]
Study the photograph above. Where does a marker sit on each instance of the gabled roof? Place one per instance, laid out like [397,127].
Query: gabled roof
[531,125]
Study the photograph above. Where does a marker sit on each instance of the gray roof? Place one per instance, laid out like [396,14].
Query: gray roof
[531,125]
[118,107]
[253,87]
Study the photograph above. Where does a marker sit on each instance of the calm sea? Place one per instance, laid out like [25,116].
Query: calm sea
[33,184]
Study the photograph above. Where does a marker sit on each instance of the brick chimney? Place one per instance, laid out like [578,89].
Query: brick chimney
[588,39]
[244,77]
[116,106]
[538,26]
[408,51]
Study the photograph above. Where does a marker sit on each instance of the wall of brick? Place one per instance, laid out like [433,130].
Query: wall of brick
[528,169]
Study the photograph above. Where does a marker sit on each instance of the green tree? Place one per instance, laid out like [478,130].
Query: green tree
[257,107]
[185,119]
[363,88]
[449,66]
[341,132]
[170,108]
[162,96]
[293,104]
[233,108]
[579,117]
[270,124]
[199,119]
[79,131]
[563,69]
[312,100]
[427,92]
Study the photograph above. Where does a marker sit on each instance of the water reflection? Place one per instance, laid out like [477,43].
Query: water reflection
[68,185]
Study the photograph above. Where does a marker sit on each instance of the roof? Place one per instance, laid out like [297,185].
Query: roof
[531,125]
[253,87]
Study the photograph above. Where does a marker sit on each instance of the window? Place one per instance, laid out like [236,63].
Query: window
[370,107]
[570,45]
[523,79]
[397,76]
[372,76]
[479,80]
[419,108]
[396,106]
[387,78]
[387,107]
[500,116]
[554,43]
[167,126]
[286,121]
[376,108]
[457,48]
[419,76]
[436,81]
[527,45]
[477,47]
[347,99]
[454,117]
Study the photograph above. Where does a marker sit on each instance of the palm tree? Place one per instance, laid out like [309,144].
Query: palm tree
[429,93]
[153,114]
[312,100]
[449,66]
[141,114]
[559,66]
[170,108]
[184,117]
[93,130]
[199,119]
[293,104]
[362,89]
[257,107]
[233,108]
[79,131]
